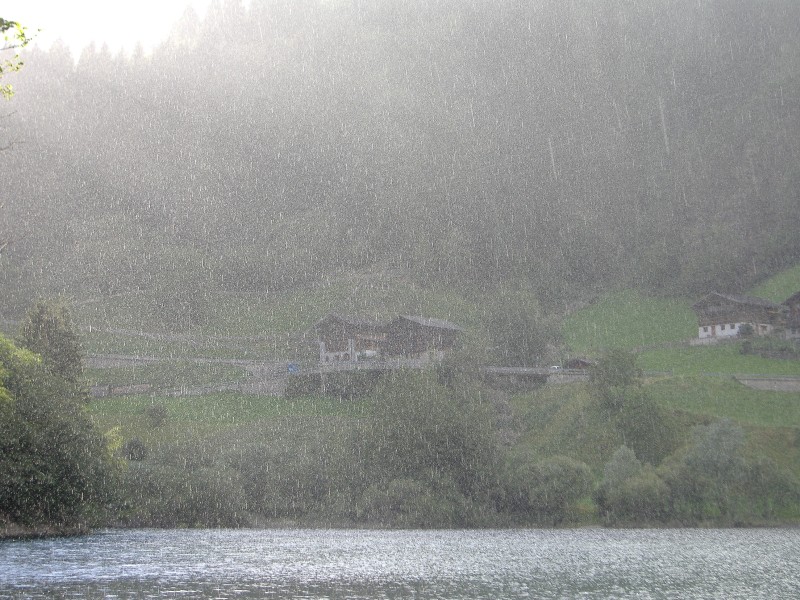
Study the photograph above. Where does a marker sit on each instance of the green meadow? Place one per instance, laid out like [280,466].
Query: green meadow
[628,320]
[779,287]
[725,359]
[197,417]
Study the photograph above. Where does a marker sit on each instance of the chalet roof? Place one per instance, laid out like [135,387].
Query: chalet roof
[715,297]
[793,299]
[434,323]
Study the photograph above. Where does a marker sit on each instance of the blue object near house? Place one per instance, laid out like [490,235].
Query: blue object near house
[293,368]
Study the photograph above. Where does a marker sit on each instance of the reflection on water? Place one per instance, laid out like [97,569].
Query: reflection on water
[586,563]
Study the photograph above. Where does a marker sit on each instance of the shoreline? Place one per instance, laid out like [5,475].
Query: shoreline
[14,531]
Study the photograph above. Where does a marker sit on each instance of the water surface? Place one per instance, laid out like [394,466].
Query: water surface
[584,563]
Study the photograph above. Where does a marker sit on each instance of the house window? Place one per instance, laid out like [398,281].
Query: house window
[705,329]
[724,326]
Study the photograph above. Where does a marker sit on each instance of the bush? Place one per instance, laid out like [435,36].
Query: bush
[772,347]
[746,330]
[546,490]
[410,503]
[157,414]
[426,431]
[616,368]
[613,376]
[160,495]
[55,467]
[771,490]
[632,493]
[649,430]
[134,449]
[49,331]
[299,468]
[706,481]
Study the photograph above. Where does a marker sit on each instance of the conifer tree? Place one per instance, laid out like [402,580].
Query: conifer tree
[49,331]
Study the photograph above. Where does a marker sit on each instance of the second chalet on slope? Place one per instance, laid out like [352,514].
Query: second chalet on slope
[724,315]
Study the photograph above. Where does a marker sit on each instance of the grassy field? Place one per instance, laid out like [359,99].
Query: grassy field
[725,397]
[166,376]
[565,420]
[286,311]
[260,326]
[197,417]
[102,342]
[771,419]
[628,320]
[719,359]
[558,419]
[779,287]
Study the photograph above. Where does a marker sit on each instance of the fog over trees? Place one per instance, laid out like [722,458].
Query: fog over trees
[572,146]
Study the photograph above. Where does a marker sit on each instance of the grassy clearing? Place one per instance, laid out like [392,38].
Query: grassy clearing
[565,420]
[99,342]
[167,376]
[628,320]
[772,419]
[237,315]
[201,416]
[128,311]
[719,397]
[258,326]
[284,312]
[722,359]
[779,287]
[271,314]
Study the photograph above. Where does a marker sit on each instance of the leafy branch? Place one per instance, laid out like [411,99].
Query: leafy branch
[14,37]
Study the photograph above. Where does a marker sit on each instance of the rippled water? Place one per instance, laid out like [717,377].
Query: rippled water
[584,563]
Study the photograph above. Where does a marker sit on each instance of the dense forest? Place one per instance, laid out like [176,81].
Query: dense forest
[535,153]
[570,147]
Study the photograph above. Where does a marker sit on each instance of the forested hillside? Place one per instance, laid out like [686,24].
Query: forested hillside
[570,147]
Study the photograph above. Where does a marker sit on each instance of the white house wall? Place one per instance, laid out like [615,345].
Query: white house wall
[732,330]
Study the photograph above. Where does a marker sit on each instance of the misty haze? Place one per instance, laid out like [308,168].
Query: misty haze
[402,265]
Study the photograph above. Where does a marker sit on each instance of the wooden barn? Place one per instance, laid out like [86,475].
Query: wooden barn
[723,315]
[421,337]
[348,338]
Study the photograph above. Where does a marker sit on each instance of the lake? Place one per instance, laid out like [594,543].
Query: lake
[287,563]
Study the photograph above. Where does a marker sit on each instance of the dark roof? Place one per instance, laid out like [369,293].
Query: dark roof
[736,299]
[435,323]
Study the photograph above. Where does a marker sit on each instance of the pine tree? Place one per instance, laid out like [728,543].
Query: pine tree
[48,330]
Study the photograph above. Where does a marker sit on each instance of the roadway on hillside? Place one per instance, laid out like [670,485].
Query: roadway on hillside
[270,377]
